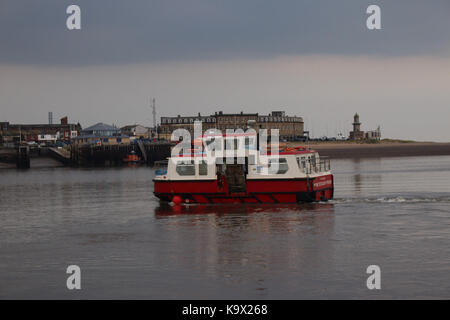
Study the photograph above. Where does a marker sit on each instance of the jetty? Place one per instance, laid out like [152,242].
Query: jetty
[113,155]
[86,155]
[60,154]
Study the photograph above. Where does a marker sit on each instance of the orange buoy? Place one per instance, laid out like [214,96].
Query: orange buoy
[177,200]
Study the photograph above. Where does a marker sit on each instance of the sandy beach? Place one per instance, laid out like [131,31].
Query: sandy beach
[375,150]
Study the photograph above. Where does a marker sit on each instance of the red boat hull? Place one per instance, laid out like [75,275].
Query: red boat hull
[257,191]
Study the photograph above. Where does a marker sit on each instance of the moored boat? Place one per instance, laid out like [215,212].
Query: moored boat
[132,158]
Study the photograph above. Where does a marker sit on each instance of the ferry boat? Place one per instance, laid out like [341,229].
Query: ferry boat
[290,175]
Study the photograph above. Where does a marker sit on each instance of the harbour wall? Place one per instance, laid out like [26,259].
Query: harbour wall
[113,155]
[86,155]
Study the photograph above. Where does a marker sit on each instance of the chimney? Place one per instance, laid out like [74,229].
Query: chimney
[64,120]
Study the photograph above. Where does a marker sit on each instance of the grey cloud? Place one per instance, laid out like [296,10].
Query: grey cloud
[117,32]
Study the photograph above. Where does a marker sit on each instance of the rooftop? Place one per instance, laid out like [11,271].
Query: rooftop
[101,127]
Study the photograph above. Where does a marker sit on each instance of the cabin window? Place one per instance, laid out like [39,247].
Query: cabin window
[186,168]
[301,163]
[313,162]
[307,165]
[231,144]
[282,166]
[249,141]
[203,168]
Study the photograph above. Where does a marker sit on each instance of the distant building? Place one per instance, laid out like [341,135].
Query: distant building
[374,134]
[101,129]
[137,131]
[47,138]
[170,124]
[101,140]
[101,134]
[14,133]
[64,120]
[290,127]
[358,134]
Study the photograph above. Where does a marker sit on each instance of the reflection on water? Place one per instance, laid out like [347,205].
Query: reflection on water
[165,209]
[250,243]
[357,175]
[361,178]
[390,212]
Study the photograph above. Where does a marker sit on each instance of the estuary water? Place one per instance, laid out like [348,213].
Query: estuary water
[390,212]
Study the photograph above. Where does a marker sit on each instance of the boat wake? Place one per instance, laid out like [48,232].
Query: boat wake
[396,199]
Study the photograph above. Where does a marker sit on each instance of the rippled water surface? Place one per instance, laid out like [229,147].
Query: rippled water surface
[392,212]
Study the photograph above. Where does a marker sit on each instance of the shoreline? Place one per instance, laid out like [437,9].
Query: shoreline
[350,150]
[344,150]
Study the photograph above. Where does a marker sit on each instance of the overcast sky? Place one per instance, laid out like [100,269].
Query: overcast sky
[313,58]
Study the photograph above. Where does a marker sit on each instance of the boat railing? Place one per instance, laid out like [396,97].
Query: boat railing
[322,165]
[161,163]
